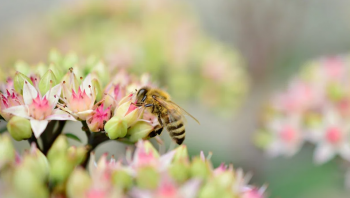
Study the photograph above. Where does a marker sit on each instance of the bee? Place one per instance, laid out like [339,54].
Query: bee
[170,115]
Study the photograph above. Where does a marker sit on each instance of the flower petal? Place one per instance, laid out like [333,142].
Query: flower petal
[84,114]
[29,93]
[344,151]
[165,160]
[60,115]
[190,188]
[53,95]
[323,153]
[38,126]
[20,111]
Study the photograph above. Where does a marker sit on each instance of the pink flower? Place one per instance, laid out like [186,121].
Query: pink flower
[98,118]
[40,110]
[79,100]
[9,100]
[169,189]
[287,136]
[331,138]
[146,155]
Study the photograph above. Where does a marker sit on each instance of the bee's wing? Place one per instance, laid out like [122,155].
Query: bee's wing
[170,105]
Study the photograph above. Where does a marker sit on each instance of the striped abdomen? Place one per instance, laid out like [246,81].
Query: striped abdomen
[175,127]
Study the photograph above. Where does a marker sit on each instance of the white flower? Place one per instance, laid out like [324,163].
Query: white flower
[287,137]
[331,138]
[40,110]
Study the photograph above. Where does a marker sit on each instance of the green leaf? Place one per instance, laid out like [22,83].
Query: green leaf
[72,136]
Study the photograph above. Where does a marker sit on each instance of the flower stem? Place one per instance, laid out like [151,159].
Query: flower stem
[94,139]
[54,136]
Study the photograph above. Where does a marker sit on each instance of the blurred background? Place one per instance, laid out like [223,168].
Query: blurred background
[265,43]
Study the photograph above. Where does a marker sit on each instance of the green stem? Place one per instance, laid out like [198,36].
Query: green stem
[94,140]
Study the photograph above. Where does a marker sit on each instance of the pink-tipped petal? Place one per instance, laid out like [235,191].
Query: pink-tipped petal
[38,126]
[20,111]
[165,160]
[29,93]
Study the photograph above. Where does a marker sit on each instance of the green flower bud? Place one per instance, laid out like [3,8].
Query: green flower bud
[122,179]
[139,130]
[181,154]
[55,56]
[58,148]
[7,151]
[180,172]
[147,178]
[76,155]
[98,89]
[200,168]
[22,66]
[131,117]
[47,81]
[212,189]
[60,169]
[37,162]
[70,60]
[27,184]
[57,71]
[262,139]
[116,128]
[335,92]
[225,179]
[19,128]
[78,183]
[19,81]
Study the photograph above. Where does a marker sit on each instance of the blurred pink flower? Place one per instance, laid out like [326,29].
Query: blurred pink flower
[287,136]
[331,138]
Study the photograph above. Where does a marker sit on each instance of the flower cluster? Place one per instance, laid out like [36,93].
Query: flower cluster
[31,102]
[314,108]
[158,36]
[144,174]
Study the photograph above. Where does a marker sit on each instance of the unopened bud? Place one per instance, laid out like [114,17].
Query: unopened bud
[28,184]
[47,81]
[7,151]
[37,162]
[129,112]
[180,172]
[58,148]
[19,81]
[139,130]
[19,128]
[116,128]
[122,179]
[97,88]
[199,168]
[77,155]
[212,189]
[181,154]
[147,178]
[262,139]
[60,168]
[78,183]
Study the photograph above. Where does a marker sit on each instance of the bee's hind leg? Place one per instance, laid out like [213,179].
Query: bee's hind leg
[159,131]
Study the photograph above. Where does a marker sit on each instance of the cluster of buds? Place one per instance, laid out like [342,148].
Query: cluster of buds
[157,36]
[315,109]
[144,174]
[147,174]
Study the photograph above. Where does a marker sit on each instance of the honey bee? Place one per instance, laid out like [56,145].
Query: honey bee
[170,115]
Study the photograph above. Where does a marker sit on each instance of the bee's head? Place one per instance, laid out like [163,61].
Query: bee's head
[141,95]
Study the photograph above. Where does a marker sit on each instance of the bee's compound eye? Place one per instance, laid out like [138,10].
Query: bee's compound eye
[141,94]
